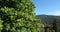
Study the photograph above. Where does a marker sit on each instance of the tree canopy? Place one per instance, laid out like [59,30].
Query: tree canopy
[18,16]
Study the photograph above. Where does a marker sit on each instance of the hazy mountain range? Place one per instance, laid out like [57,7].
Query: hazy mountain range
[48,19]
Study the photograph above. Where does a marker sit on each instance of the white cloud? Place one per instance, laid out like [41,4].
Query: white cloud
[56,13]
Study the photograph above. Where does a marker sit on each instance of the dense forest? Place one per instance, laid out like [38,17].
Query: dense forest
[50,22]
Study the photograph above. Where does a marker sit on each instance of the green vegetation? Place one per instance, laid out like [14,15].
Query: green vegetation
[55,25]
[18,16]
[51,23]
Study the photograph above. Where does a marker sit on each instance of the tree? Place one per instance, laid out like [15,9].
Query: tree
[55,25]
[18,16]
[48,28]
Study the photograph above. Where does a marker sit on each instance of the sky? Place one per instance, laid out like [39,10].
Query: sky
[47,7]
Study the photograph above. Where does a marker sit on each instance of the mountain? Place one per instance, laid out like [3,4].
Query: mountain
[48,19]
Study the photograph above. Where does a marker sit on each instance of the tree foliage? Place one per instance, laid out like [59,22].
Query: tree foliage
[18,16]
[55,25]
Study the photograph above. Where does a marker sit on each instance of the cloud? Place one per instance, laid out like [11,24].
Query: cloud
[56,13]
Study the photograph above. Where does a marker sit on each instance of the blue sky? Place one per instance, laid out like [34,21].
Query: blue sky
[47,7]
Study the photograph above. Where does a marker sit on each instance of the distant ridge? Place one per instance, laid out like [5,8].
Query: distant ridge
[48,19]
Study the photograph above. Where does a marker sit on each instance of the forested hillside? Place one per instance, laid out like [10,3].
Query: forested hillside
[48,19]
[51,23]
